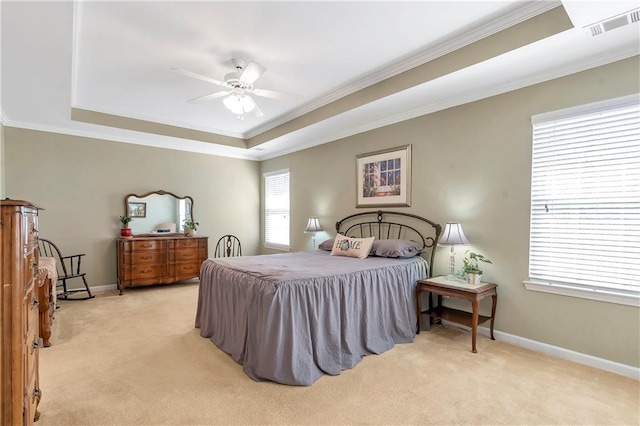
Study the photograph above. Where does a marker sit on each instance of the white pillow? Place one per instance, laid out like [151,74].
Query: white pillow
[352,247]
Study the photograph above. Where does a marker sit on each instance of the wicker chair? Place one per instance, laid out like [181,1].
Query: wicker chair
[68,268]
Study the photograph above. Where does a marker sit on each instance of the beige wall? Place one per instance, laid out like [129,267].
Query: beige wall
[81,184]
[472,164]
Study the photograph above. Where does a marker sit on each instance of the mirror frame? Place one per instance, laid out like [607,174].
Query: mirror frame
[159,192]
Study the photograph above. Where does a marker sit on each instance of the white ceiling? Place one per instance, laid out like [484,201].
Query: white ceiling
[116,58]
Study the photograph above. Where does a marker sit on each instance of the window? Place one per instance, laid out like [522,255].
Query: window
[585,202]
[276,209]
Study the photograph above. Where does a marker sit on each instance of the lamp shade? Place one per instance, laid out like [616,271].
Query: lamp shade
[453,234]
[313,225]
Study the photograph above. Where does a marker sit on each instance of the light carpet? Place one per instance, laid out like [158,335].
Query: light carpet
[137,359]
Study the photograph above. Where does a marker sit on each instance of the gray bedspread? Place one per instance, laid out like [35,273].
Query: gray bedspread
[293,317]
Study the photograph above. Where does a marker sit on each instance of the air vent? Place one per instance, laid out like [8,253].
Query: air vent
[613,23]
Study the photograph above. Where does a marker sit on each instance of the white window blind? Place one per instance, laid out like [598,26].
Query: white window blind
[585,199]
[276,209]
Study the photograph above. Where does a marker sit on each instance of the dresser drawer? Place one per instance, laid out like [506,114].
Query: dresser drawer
[186,255]
[191,269]
[31,399]
[30,219]
[31,269]
[186,243]
[30,310]
[31,352]
[145,271]
[145,257]
[147,245]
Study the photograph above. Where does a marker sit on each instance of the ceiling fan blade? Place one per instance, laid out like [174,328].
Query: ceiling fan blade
[274,95]
[252,72]
[198,76]
[209,97]
[257,111]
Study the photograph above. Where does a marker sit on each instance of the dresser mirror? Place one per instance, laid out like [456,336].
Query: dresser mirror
[158,212]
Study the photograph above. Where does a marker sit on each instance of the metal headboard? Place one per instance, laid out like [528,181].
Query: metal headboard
[385,225]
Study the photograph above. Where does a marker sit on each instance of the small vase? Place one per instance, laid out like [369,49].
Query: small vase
[473,278]
[126,232]
[190,232]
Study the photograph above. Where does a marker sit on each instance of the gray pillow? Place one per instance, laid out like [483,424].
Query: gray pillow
[395,248]
[327,244]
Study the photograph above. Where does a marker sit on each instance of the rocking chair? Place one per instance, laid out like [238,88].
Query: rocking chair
[68,268]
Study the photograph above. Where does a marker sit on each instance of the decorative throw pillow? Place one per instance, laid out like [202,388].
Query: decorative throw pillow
[327,244]
[395,248]
[352,247]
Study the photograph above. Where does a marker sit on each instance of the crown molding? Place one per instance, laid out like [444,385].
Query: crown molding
[165,142]
[464,99]
[170,122]
[465,38]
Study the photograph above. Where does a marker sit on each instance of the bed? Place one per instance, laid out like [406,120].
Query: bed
[293,317]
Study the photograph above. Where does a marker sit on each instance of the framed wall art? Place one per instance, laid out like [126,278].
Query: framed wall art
[383,178]
[137,209]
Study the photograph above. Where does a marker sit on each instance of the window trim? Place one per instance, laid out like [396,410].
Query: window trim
[564,289]
[583,293]
[269,245]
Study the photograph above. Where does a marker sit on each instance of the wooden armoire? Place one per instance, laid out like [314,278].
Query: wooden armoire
[19,338]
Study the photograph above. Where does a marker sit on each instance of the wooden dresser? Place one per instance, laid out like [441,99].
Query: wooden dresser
[159,259]
[19,313]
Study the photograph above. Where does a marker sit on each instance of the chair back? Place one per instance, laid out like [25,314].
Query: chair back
[46,248]
[228,246]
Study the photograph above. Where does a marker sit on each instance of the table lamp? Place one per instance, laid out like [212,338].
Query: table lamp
[452,235]
[313,226]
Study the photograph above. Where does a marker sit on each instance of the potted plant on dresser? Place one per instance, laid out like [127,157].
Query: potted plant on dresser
[471,267]
[125,231]
[190,227]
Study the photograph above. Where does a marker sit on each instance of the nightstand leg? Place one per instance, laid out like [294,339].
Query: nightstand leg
[419,308]
[494,297]
[474,324]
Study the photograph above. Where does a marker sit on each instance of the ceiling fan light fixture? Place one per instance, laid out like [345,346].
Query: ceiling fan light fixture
[248,104]
[239,103]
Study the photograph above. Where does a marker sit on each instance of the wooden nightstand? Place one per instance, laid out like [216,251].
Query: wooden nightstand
[457,288]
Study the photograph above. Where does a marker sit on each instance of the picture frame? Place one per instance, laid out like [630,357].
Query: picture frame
[137,209]
[383,178]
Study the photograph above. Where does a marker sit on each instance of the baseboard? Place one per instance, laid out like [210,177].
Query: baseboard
[103,288]
[110,287]
[592,361]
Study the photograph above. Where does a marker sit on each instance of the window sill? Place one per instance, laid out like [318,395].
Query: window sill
[592,294]
[280,247]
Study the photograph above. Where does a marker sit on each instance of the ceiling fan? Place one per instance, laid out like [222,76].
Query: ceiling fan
[238,84]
